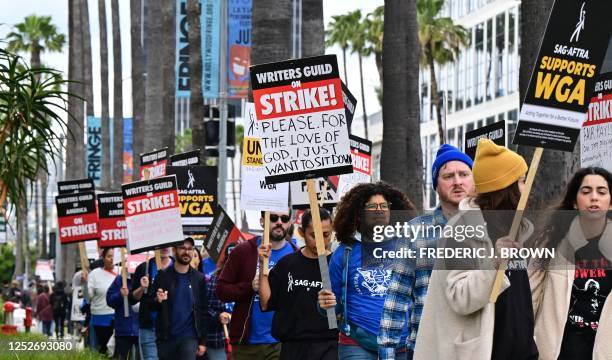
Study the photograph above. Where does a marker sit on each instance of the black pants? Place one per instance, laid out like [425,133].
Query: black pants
[59,324]
[177,349]
[321,350]
[123,345]
[103,334]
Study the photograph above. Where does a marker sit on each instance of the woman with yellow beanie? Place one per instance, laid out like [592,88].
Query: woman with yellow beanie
[458,321]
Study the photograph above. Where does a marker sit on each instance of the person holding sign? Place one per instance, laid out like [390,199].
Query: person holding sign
[458,320]
[126,328]
[581,232]
[291,291]
[453,181]
[180,299]
[250,328]
[360,280]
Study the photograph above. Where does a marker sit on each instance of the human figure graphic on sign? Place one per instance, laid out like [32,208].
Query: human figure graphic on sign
[290,282]
[579,25]
[191,180]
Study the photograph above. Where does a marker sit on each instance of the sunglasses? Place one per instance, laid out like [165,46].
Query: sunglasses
[284,218]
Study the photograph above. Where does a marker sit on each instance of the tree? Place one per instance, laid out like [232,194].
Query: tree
[104,119]
[337,34]
[401,157]
[441,41]
[154,105]
[138,84]
[271,31]
[374,23]
[117,99]
[86,55]
[169,73]
[557,165]
[313,33]
[357,29]
[196,100]
[35,35]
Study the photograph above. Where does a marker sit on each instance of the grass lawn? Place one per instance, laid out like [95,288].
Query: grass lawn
[43,345]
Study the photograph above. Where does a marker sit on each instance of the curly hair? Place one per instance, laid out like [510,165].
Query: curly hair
[350,207]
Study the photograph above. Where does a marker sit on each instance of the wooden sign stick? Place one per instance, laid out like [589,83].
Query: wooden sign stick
[321,254]
[147,271]
[147,176]
[84,267]
[266,240]
[126,306]
[516,222]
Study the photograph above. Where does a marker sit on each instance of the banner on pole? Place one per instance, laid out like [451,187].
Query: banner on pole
[222,234]
[152,213]
[239,47]
[572,51]
[495,132]
[93,164]
[211,14]
[44,270]
[302,121]
[361,152]
[77,217]
[128,151]
[185,159]
[596,133]
[153,163]
[197,191]
[113,229]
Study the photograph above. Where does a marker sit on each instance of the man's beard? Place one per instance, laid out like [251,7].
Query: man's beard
[183,262]
[274,237]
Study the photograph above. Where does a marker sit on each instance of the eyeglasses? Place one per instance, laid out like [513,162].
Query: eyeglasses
[374,206]
[284,218]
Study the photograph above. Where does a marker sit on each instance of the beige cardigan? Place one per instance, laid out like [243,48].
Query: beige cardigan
[551,294]
[458,319]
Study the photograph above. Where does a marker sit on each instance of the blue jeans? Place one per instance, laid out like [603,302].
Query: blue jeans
[216,354]
[354,352]
[148,348]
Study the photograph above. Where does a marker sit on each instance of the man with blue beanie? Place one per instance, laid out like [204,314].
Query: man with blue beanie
[451,176]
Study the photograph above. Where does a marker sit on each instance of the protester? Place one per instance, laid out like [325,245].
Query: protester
[219,315]
[126,328]
[15,294]
[458,320]
[98,282]
[573,303]
[452,180]
[60,304]
[180,298]
[360,284]
[290,290]
[146,316]
[250,328]
[44,310]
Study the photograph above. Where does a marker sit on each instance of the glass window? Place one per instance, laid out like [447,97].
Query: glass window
[450,85]
[470,76]
[480,64]
[512,53]
[424,100]
[512,116]
[469,127]
[489,60]
[450,137]
[500,63]
[460,137]
[490,120]
[459,91]
[479,124]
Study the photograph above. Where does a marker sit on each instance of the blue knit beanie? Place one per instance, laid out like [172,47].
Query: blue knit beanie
[445,154]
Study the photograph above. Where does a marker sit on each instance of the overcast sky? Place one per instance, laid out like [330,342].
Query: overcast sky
[14,12]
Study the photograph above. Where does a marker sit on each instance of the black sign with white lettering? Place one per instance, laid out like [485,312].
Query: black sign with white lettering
[495,132]
[185,159]
[75,186]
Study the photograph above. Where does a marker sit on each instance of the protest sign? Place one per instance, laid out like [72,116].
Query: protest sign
[302,121]
[152,213]
[91,249]
[326,188]
[77,217]
[77,301]
[134,260]
[113,229]
[222,233]
[185,159]
[44,270]
[596,134]
[255,194]
[197,189]
[153,164]
[350,102]
[75,186]
[495,132]
[570,57]
[361,152]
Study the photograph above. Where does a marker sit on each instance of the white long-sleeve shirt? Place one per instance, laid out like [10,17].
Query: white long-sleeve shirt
[98,282]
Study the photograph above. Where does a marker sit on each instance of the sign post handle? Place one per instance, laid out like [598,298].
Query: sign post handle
[126,306]
[158,259]
[516,222]
[147,271]
[323,267]
[266,240]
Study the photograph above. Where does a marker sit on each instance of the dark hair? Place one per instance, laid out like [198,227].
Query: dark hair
[560,221]
[506,200]
[307,218]
[104,252]
[351,205]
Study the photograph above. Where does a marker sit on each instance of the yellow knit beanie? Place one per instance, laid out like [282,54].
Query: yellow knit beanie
[496,167]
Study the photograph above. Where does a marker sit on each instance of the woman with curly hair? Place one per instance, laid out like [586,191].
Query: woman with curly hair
[359,280]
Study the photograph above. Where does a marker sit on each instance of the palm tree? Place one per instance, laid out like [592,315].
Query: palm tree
[337,34]
[196,100]
[117,99]
[104,119]
[86,54]
[374,23]
[401,157]
[357,30]
[313,33]
[138,84]
[154,114]
[271,39]
[35,35]
[441,41]
[168,37]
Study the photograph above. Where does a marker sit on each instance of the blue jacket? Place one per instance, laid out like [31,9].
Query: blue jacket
[124,326]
